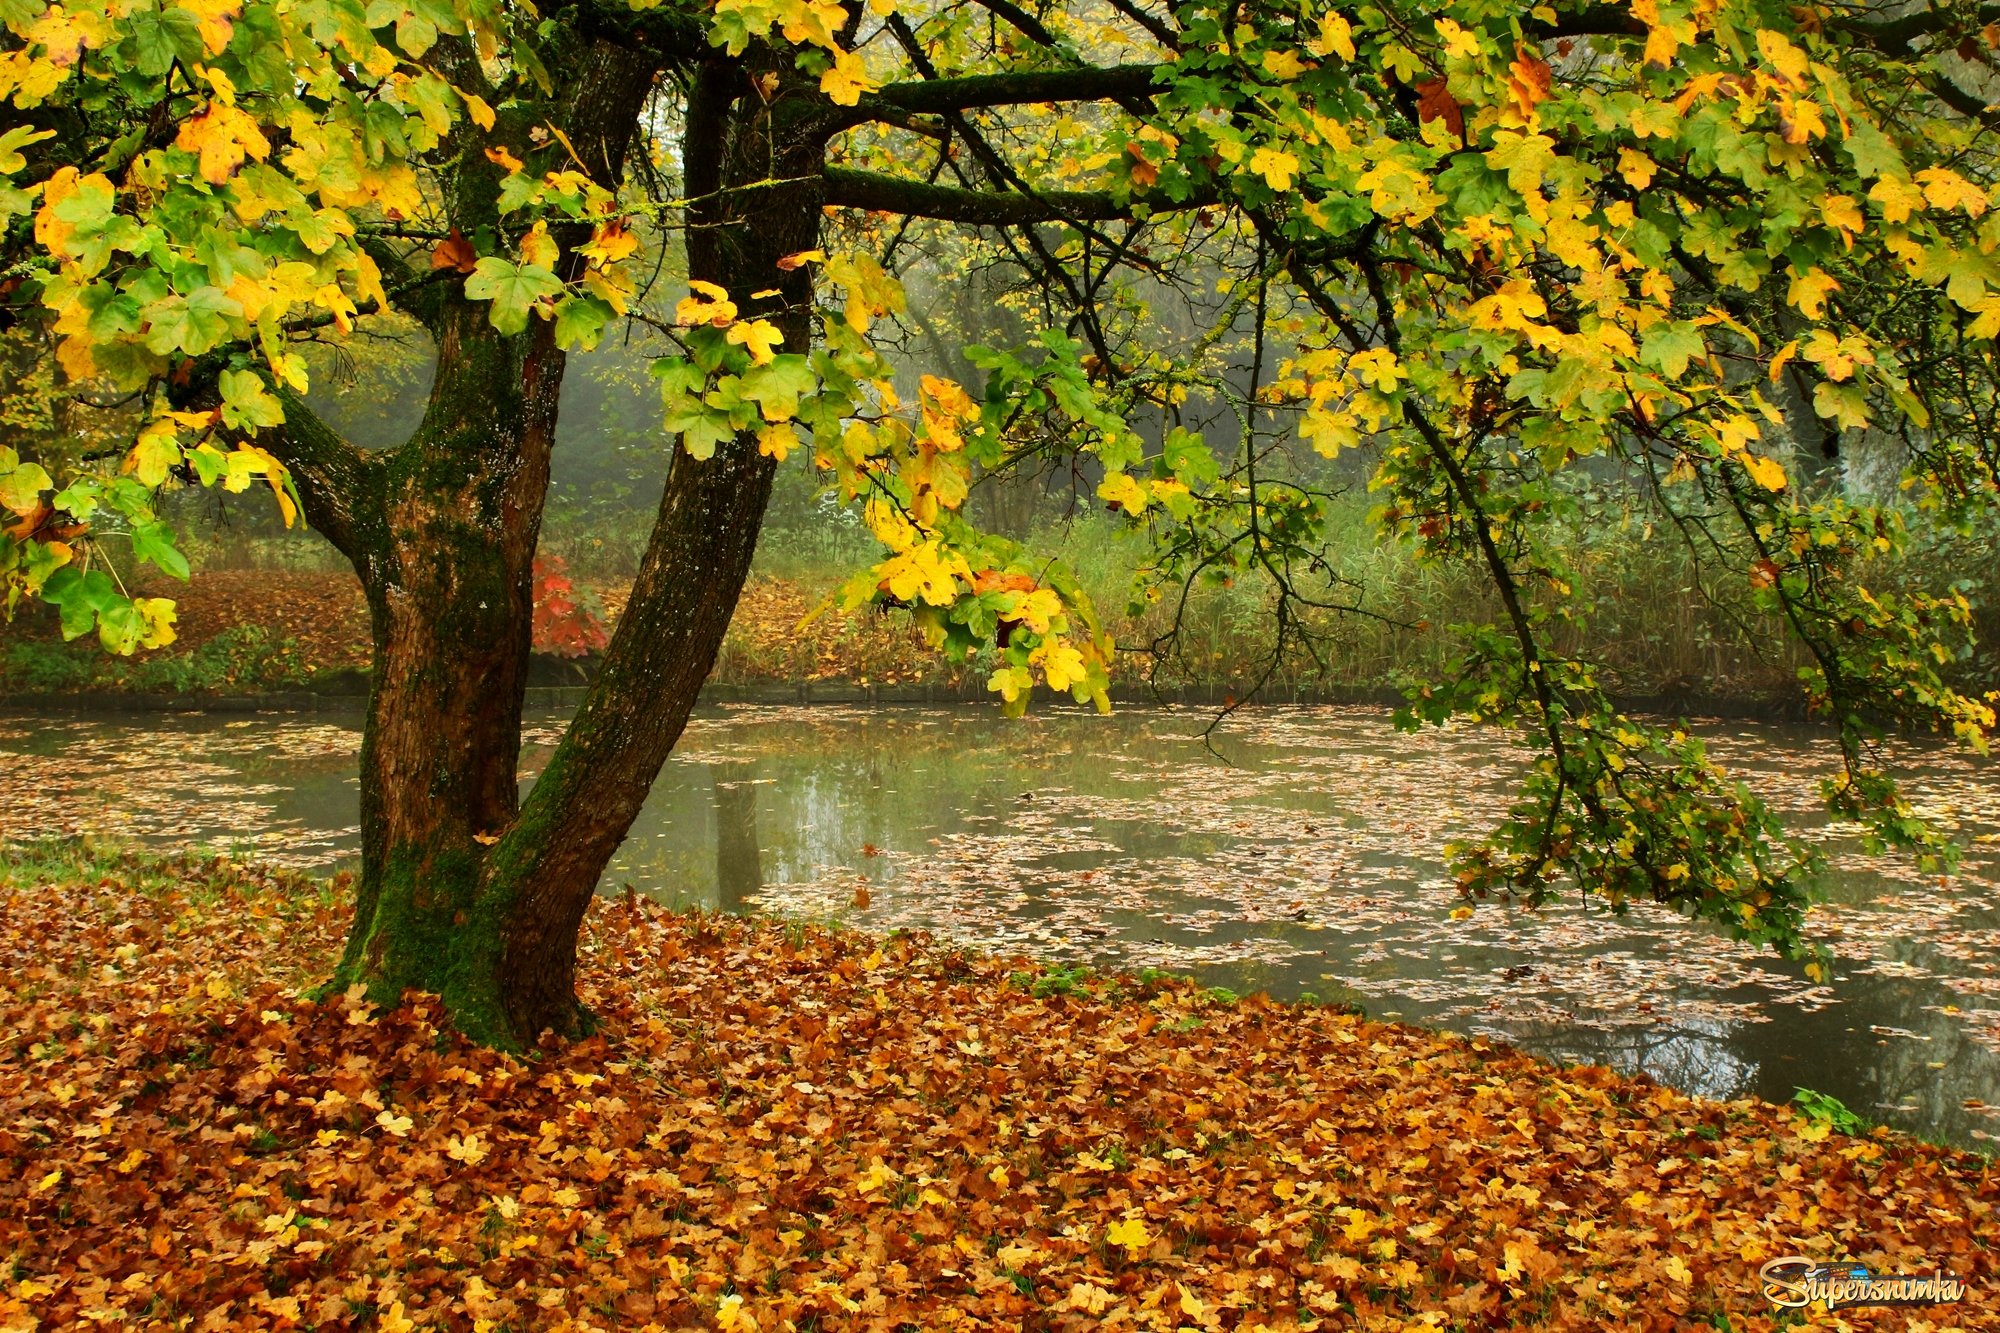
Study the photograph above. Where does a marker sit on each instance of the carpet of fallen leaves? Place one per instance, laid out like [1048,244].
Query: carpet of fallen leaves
[790,1127]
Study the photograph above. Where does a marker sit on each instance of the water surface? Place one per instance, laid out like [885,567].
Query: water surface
[1304,858]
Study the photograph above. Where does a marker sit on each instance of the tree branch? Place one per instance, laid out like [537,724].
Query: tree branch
[332,475]
[980,208]
[940,96]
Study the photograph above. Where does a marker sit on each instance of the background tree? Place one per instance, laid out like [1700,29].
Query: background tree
[1499,249]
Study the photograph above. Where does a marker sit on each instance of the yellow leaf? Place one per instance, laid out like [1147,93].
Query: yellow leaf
[1130,1234]
[1766,472]
[1336,37]
[222,135]
[1276,166]
[1636,168]
[612,242]
[1378,367]
[710,304]
[159,615]
[1842,212]
[1897,199]
[1781,55]
[846,79]
[1457,40]
[468,1150]
[1090,1299]
[1062,665]
[1809,291]
[1944,188]
[758,337]
[777,441]
[1283,63]
[540,248]
[1118,488]
[481,113]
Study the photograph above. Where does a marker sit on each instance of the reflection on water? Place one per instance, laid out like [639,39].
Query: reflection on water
[1305,858]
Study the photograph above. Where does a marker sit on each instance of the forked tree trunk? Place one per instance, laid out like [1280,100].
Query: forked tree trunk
[465,891]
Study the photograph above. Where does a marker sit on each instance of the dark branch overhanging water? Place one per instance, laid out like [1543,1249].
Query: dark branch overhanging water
[1304,860]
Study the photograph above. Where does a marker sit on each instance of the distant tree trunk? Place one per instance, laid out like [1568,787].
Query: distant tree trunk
[739,869]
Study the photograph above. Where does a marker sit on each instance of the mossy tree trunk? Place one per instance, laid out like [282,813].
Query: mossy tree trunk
[465,890]
[740,132]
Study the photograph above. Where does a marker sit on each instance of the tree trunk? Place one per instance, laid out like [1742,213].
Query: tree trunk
[442,531]
[696,561]
[463,894]
[448,574]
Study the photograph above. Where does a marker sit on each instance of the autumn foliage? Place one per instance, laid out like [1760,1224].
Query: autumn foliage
[566,623]
[794,1128]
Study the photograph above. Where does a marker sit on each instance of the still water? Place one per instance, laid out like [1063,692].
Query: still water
[1302,856]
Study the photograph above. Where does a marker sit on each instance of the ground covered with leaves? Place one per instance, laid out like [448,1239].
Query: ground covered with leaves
[782,1126]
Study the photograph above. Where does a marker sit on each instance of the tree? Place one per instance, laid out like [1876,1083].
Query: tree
[1495,248]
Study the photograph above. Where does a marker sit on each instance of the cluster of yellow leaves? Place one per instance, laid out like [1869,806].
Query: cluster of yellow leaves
[815,24]
[898,1135]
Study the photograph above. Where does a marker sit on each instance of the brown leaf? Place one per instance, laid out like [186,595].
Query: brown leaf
[1435,102]
[455,252]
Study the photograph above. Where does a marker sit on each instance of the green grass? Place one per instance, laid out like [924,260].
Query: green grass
[247,659]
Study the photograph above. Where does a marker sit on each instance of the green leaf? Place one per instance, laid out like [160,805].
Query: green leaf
[245,404]
[191,324]
[580,321]
[700,427]
[21,488]
[512,288]
[777,385]
[1670,346]
[154,542]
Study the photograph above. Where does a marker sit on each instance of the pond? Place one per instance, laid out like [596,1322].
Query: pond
[1302,856]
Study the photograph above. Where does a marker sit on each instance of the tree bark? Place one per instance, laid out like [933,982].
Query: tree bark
[443,531]
[548,865]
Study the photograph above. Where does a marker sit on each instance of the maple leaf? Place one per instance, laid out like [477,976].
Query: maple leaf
[1336,36]
[455,252]
[1276,166]
[1435,102]
[223,135]
[758,337]
[1131,1235]
[708,304]
[846,79]
[1529,82]
[1143,172]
